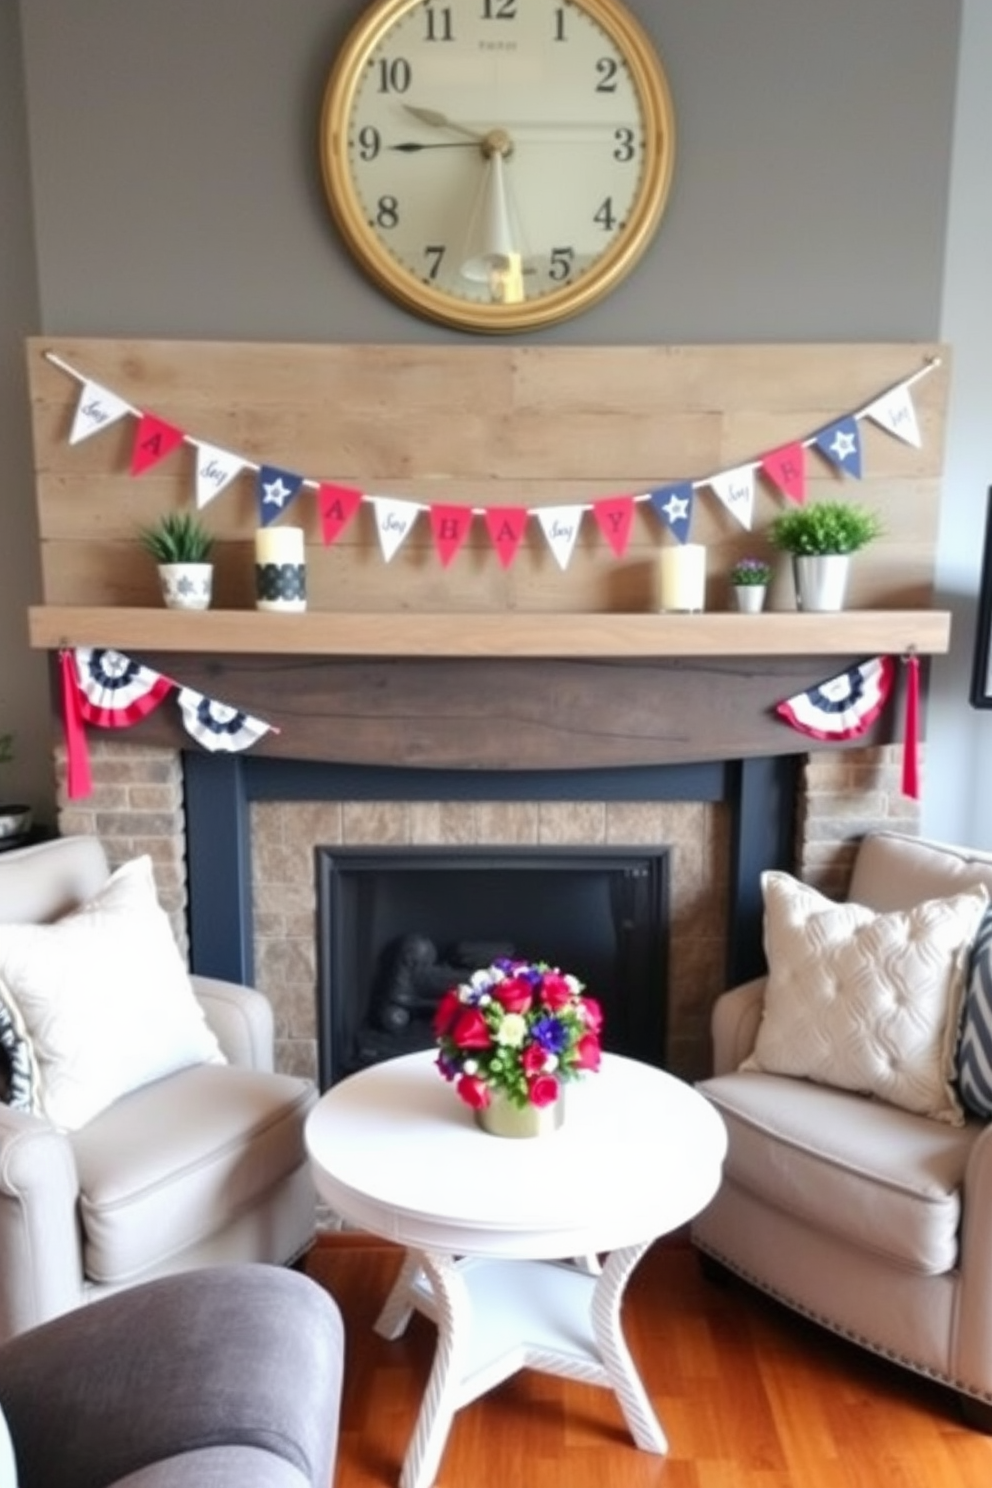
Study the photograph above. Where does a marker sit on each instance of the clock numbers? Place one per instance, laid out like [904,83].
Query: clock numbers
[434,253]
[439,27]
[369,142]
[604,216]
[560,264]
[625,141]
[387,212]
[560,24]
[499,10]
[394,76]
[608,69]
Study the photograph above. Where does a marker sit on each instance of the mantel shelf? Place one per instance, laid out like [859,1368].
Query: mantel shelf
[590,636]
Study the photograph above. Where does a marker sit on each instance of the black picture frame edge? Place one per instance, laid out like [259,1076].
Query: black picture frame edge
[980,695]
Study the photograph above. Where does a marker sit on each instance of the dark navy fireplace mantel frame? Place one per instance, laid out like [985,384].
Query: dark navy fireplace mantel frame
[761,794]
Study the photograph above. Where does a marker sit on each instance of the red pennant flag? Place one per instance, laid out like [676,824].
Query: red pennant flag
[337,505]
[615,516]
[911,730]
[506,525]
[153,441]
[450,525]
[79,782]
[787,468]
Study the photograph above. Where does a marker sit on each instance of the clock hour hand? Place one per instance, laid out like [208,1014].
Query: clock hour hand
[441,121]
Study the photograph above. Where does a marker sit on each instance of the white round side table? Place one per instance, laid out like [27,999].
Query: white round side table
[504,1236]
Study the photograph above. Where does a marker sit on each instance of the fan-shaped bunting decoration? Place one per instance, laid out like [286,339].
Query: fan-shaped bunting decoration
[217,726]
[845,706]
[115,691]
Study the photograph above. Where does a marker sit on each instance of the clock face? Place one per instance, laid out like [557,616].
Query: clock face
[497,164]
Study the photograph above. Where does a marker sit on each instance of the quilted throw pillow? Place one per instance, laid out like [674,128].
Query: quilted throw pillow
[864,1001]
[975,1048]
[104,998]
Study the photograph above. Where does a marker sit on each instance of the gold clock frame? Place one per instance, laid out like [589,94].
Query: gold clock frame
[651,84]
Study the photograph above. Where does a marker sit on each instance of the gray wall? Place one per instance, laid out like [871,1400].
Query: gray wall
[176,191]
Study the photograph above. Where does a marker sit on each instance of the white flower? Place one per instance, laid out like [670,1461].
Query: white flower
[512,1031]
[470,1067]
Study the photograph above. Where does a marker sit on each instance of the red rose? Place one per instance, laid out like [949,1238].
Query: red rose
[588,1052]
[532,1059]
[470,1031]
[556,992]
[514,994]
[445,1013]
[593,1013]
[542,1090]
[473,1091]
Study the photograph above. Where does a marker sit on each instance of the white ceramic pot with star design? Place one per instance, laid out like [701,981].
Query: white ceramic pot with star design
[186,586]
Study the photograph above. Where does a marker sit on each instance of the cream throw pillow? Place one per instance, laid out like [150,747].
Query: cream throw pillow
[104,998]
[865,1001]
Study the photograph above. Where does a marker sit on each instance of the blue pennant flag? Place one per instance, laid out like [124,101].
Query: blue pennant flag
[673,504]
[841,443]
[275,490]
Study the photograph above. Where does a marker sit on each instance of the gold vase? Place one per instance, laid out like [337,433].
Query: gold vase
[501,1118]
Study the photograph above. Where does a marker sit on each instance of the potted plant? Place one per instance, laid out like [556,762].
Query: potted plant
[15,818]
[750,578]
[181,546]
[821,537]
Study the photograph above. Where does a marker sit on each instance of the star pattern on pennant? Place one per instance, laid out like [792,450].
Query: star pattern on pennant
[841,443]
[276,490]
[673,505]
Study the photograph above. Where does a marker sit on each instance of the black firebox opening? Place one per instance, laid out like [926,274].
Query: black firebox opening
[398,926]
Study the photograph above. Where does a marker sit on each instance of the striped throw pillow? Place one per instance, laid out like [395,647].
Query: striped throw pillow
[975,1048]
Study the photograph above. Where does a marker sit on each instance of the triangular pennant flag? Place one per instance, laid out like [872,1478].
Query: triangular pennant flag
[841,443]
[79,781]
[845,706]
[735,488]
[115,691]
[561,528]
[275,491]
[337,506]
[506,526]
[450,526]
[217,726]
[215,469]
[896,412]
[615,516]
[786,468]
[673,505]
[153,441]
[97,409]
[393,521]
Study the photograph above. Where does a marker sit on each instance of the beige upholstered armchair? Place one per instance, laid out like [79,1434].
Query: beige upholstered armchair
[201,1162]
[870,1218]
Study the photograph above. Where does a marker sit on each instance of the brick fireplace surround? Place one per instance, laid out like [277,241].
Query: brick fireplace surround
[137,806]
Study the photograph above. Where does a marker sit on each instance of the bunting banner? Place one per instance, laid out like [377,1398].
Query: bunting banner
[784,468]
[106,688]
[97,409]
[115,691]
[845,706]
[217,726]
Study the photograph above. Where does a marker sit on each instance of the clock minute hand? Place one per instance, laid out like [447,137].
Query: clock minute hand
[491,141]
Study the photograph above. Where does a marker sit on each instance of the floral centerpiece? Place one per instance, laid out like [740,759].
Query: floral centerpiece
[517,1029]
[747,572]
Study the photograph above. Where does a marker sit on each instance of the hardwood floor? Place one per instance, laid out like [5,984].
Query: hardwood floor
[749,1395]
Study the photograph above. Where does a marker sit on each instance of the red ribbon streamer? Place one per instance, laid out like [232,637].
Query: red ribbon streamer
[79,781]
[910,756]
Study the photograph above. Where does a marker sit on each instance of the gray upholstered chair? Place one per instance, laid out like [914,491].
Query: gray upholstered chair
[224,1378]
[204,1165]
[872,1221]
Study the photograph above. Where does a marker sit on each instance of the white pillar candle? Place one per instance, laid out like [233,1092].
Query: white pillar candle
[280,570]
[682,577]
[279,545]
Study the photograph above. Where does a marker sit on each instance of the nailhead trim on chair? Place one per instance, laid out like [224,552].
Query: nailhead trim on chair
[831,1326]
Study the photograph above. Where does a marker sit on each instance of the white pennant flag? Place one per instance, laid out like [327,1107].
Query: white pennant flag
[735,489]
[393,522]
[96,409]
[561,528]
[896,412]
[215,469]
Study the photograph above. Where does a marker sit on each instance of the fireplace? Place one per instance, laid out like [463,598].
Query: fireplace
[398,928]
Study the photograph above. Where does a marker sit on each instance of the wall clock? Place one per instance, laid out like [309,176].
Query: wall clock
[497,165]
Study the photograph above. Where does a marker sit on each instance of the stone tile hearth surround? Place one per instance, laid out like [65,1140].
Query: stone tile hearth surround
[137,806]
